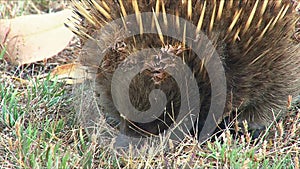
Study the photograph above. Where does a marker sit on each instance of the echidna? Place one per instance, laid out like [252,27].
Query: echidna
[254,41]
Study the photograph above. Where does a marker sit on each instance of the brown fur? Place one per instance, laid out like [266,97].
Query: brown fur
[261,72]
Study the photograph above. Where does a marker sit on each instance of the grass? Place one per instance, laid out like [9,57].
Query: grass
[13,8]
[39,128]
[30,124]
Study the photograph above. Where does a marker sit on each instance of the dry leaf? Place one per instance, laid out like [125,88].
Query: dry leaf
[33,38]
[72,73]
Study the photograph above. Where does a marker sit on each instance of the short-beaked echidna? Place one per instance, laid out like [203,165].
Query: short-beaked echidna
[254,40]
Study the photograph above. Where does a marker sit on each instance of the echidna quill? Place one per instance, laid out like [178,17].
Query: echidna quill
[253,39]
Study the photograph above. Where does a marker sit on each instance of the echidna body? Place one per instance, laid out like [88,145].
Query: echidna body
[254,40]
